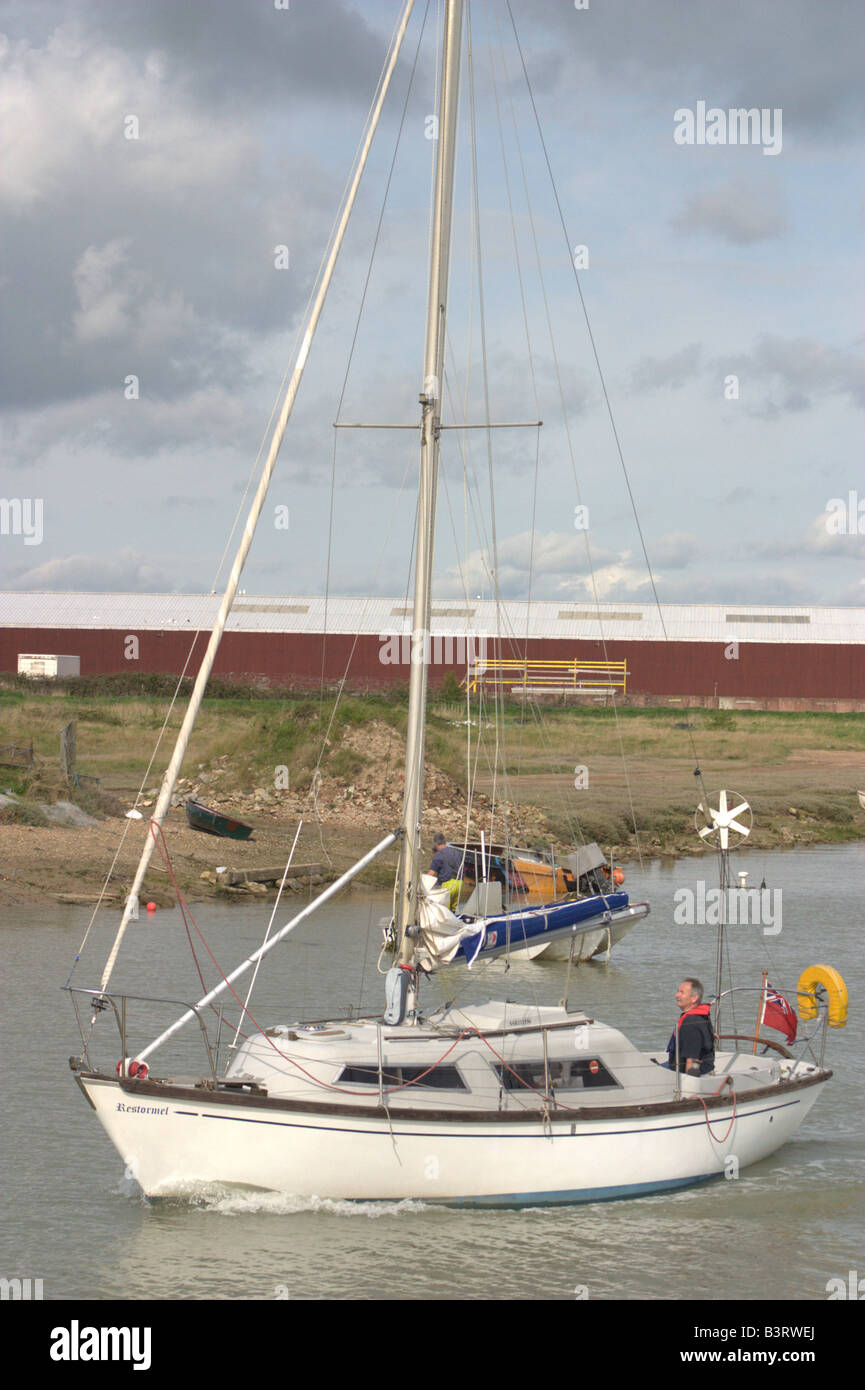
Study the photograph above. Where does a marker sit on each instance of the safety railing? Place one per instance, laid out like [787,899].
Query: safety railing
[100,1001]
[803,1043]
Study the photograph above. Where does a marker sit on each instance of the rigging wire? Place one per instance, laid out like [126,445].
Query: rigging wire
[499,723]
[602,379]
[269,925]
[698,772]
[142,784]
[533,377]
[332,500]
[492,572]
[354,339]
[313,291]
[558,376]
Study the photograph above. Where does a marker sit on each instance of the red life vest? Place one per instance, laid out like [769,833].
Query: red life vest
[701,1010]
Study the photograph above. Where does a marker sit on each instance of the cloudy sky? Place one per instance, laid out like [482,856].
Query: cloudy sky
[154,154]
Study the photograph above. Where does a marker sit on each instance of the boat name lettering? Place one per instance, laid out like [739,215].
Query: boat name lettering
[142,1109]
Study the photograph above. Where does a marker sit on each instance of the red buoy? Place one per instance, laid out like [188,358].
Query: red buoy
[139,1069]
[151,907]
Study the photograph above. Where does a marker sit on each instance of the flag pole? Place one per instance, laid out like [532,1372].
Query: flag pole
[761,1011]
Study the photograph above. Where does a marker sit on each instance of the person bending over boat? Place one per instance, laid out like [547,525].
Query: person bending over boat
[696,1039]
[447,865]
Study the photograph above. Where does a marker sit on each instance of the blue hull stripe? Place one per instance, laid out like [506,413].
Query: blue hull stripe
[385,1130]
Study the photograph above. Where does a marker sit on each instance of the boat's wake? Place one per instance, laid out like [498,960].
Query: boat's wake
[224,1200]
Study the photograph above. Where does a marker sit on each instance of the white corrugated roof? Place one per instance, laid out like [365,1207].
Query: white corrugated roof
[692,622]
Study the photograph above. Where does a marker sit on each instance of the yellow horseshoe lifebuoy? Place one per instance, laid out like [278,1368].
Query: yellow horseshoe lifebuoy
[836,992]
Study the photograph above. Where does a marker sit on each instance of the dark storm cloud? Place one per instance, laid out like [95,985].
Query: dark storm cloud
[232,53]
[794,54]
[155,256]
[165,289]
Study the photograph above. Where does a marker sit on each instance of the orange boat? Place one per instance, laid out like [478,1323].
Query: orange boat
[534,876]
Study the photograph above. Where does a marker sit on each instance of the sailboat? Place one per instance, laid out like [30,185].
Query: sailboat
[487,1104]
[527,904]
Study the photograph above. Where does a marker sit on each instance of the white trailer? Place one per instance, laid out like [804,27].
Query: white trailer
[30,664]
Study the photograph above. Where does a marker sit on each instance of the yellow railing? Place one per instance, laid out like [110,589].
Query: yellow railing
[549,675]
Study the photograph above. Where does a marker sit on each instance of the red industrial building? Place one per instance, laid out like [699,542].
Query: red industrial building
[731,654]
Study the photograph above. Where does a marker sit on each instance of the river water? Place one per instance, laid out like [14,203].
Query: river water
[781,1230]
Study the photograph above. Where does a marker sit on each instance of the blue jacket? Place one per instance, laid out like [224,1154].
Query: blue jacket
[447,863]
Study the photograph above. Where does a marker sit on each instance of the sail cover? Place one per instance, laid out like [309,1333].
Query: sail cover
[441,931]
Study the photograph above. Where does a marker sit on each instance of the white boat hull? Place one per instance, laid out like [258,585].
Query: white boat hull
[595,941]
[176,1144]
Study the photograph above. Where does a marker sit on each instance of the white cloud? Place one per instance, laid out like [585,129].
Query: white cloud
[65,106]
[559,567]
[125,572]
[104,311]
[835,531]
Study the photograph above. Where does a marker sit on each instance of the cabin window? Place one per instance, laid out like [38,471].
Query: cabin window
[585,1074]
[590,1072]
[439,1079]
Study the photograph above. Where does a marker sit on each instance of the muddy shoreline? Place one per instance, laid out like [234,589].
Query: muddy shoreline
[75,864]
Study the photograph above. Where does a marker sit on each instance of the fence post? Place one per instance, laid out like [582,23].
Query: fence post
[67,751]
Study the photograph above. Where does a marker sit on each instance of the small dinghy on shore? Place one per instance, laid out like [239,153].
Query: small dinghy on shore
[213,823]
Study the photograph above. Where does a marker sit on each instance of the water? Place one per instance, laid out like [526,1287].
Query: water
[779,1231]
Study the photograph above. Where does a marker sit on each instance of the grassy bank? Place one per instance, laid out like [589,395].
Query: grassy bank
[799,771]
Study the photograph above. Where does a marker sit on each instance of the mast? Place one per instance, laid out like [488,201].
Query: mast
[430,400]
